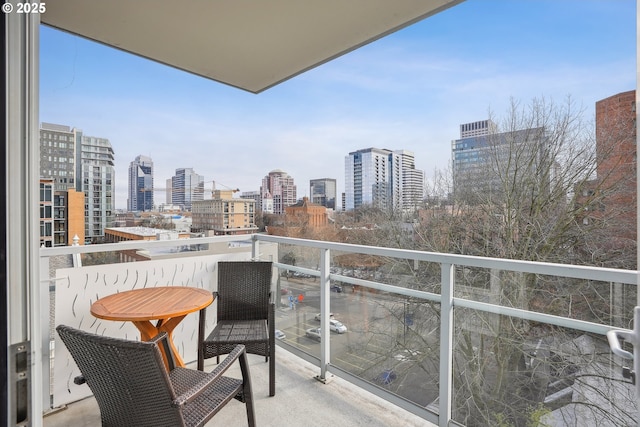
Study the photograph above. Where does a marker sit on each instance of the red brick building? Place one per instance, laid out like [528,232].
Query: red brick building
[615,185]
[300,219]
[616,153]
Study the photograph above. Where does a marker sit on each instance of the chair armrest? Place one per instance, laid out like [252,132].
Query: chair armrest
[198,388]
[162,339]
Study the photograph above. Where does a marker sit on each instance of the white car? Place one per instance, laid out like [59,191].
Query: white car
[337,326]
[313,333]
[406,355]
[319,316]
[280,335]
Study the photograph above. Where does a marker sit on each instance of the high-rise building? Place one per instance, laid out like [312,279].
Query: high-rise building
[96,172]
[323,192]
[58,155]
[277,188]
[383,178]
[481,159]
[253,195]
[169,191]
[479,128]
[186,188]
[85,164]
[46,212]
[407,182]
[140,185]
[366,179]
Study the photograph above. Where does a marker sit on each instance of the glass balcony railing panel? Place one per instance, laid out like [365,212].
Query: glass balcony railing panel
[298,303]
[299,256]
[401,272]
[392,341]
[606,303]
[509,371]
[375,332]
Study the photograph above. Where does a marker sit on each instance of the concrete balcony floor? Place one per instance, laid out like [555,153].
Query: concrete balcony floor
[300,400]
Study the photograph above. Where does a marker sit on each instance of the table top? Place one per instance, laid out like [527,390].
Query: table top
[162,302]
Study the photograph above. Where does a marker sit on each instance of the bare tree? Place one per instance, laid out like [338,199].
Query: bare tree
[523,197]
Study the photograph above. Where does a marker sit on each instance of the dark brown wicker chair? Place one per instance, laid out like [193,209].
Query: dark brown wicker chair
[245,314]
[132,386]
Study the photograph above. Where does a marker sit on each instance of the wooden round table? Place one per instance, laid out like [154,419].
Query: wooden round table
[168,305]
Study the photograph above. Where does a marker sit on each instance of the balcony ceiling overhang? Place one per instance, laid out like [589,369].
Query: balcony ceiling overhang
[252,45]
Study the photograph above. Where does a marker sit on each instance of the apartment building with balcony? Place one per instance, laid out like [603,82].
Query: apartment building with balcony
[224,214]
[367,178]
[407,182]
[61,215]
[384,179]
[83,163]
[46,212]
[95,172]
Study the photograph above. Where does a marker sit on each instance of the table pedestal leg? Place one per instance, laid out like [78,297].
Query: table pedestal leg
[148,331]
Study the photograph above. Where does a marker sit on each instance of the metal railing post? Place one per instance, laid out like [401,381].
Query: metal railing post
[77,259]
[255,250]
[325,309]
[446,343]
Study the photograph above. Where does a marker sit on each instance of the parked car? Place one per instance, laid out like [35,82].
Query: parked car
[337,326]
[280,335]
[318,316]
[336,288]
[406,355]
[313,333]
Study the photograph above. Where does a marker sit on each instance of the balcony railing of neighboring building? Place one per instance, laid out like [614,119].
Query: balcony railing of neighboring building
[451,338]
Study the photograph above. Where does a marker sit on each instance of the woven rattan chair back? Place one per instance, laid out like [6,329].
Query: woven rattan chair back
[128,379]
[243,290]
[133,387]
[246,314]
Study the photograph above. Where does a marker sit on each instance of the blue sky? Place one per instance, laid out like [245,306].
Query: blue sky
[410,90]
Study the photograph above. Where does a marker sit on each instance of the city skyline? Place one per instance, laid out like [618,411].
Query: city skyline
[409,90]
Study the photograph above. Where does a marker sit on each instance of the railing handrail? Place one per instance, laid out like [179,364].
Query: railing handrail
[628,277]
[140,244]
